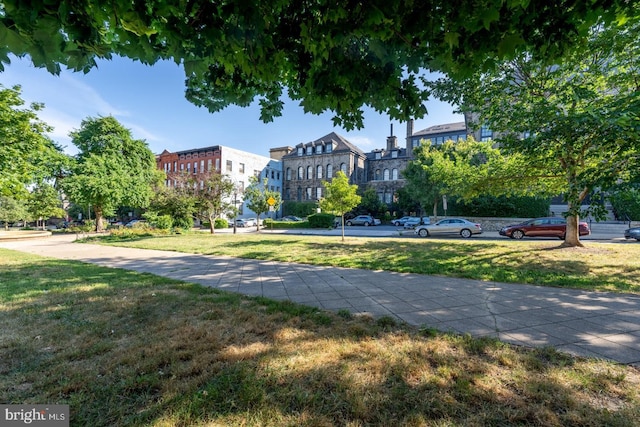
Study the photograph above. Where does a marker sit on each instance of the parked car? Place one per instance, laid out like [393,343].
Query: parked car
[632,233]
[245,222]
[459,226]
[291,218]
[542,227]
[416,221]
[365,220]
[400,221]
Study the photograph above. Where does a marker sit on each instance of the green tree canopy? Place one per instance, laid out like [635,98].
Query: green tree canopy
[111,168]
[44,203]
[26,153]
[11,210]
[257,195]
[577,121]
[340,196]
[213,194]
[331,56]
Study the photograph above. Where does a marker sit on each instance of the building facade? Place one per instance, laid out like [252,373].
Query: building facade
[306,165]
[238,165]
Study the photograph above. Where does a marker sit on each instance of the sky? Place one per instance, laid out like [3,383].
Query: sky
[149,100]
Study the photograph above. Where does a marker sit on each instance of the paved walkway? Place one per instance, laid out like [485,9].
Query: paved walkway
[597,324]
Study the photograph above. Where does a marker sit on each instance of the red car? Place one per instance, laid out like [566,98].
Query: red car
[542,227]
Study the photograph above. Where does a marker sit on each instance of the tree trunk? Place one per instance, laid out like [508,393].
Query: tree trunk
[97,211]
[258,223]
[572,233]
[212,224]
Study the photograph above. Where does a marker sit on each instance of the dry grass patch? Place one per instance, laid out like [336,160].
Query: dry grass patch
[123,348]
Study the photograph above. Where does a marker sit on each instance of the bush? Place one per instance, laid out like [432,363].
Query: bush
[321,220]
[301,209]
[285,225]
[502,206]
[221,223]
[626,204]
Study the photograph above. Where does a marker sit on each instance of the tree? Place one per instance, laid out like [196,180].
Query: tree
[340,196]
[576,121]
[336,56]
[257,196]
[370,203]
[111,168]
[213,196]
[44,203]
[11,210]
[26,153]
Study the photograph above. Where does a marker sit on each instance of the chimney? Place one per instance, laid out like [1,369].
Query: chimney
[409,134]
[392,141]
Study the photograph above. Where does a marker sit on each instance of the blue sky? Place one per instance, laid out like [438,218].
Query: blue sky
[149,100]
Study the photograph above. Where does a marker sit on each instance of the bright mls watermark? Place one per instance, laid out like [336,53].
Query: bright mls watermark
[34,415]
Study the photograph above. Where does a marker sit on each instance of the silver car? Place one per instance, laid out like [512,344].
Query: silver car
[451,226]
[632,233]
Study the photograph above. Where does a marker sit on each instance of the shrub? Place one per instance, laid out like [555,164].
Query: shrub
[321,220]
[221,223]
[502,206]
[626,204]
[301,209]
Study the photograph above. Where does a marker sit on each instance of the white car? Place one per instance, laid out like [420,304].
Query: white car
[458,226]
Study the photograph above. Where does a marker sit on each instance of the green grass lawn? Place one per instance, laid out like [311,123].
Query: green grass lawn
[597,266]
[130,349]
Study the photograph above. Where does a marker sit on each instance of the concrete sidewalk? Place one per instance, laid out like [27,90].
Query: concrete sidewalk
[595,324]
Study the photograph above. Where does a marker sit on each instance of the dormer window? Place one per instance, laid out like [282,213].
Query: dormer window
[318,149]
[300,151]
[394,154]
[378,155]
[309,150]
[329,148]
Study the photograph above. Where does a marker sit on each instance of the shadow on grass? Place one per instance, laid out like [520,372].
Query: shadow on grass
[124,348]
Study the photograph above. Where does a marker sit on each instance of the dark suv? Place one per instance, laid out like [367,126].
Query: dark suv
[542,227]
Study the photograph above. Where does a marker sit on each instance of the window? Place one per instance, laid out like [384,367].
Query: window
[288,174]
[318,193]
[394,154]
[308,193]
[299,194]
[209,164]
[229,166]
[278,176]
[181,166]
[195,168]
[387,198]
[343,168]
[309,172]
[318,149]
[386,175]
[300,151]
[175,166]
[217,164]
[273,174]
[309,150]
[241,168]
[300,172]
[378,155]
[329,171]
[201,184]
[485,133]
[394,174]
[241,185]
[329,148]
[377,176]
[256,173]
[188,167]
[319,172]
[201,165]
